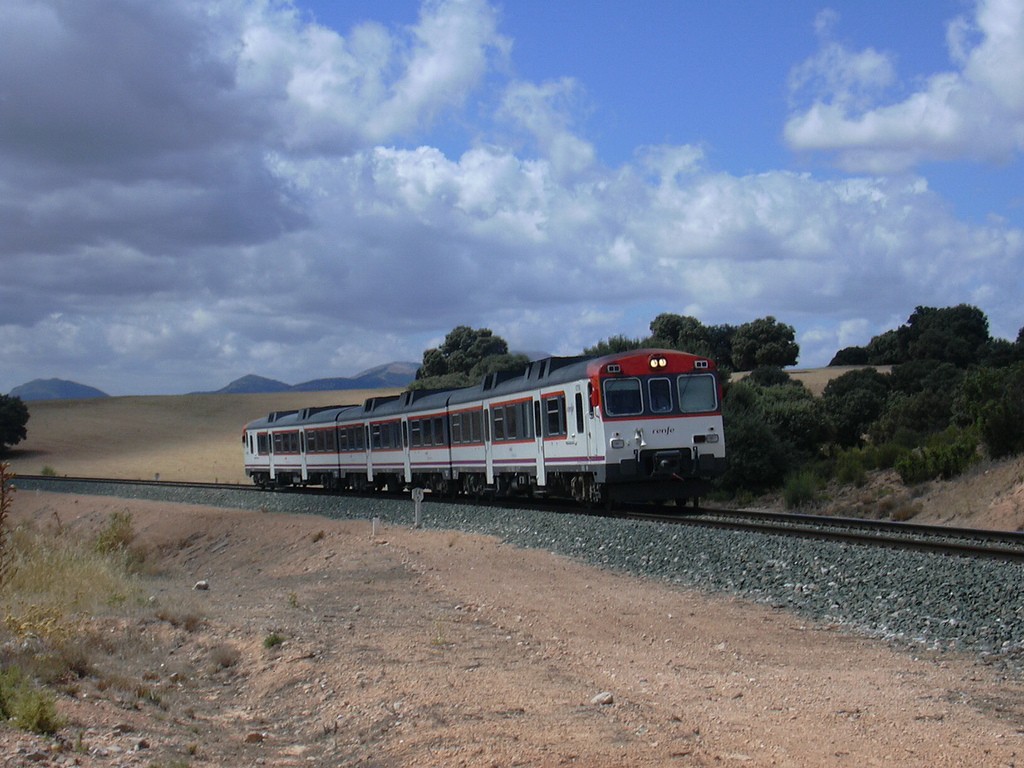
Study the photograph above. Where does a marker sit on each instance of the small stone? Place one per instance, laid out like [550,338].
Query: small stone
[202,584]
[254,738]
[604,698]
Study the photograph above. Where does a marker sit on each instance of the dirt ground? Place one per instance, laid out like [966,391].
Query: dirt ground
[414,648]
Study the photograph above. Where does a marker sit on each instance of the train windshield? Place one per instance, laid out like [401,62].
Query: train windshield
[622,397]
[697,394]
[655,396]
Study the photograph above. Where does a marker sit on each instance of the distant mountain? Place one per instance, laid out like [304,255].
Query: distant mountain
[389,375]
[251,385]
[397,374]
[56,389]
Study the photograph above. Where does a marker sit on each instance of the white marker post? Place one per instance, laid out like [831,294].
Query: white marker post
[417,497]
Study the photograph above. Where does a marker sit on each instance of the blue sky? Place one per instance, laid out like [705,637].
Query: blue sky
[193,192]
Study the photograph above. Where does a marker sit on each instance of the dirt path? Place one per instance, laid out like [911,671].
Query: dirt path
[441,649]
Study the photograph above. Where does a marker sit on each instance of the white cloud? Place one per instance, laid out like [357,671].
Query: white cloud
[975,111]
[278,209]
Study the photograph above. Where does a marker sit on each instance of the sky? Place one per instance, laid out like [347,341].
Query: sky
[192,191]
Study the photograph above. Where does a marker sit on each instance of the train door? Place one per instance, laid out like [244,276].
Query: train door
[271,456]
[538,436]
[303,457]
[369,453]
[584,417]
[406,452]
[488,457]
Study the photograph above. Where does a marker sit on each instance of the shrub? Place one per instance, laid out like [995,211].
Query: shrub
[851,467]
[31,708]
[117,535]
[800,488]
[272,640]
[946,456]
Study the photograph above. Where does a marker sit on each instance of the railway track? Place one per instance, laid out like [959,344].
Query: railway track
[964,542]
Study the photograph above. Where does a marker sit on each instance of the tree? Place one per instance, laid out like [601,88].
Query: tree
[615,344]
[854,401]
[957,335]
[688,334]
[463,348]
[13,418]
[758,460]
[466,355]
[765,341]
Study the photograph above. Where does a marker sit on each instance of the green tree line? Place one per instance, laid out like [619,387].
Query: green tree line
[948,395]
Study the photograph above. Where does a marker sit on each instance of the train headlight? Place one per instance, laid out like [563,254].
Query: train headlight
[657,362]
[618,442]
[711,438]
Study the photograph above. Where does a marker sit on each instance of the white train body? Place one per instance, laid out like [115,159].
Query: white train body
[640,425]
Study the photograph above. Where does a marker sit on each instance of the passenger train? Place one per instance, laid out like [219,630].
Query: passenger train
[644,425]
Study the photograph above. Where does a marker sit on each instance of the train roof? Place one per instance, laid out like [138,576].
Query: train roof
[324,414]
[548,371]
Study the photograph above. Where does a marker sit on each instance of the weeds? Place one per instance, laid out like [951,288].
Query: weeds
[30,707]
[6,500]
[54,582]
[801,488]
[272,640]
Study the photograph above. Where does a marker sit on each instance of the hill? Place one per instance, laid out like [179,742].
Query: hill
[395,374]
[55,389]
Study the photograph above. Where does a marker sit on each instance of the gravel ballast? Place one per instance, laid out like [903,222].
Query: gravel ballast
[943,602]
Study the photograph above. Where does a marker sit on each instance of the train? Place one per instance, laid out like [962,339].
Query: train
[637,426]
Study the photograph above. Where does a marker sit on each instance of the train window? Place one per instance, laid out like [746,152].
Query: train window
[456,427]
[579,413]
[262,444]
[512,422]
[415,434]
[554,416]
[622,397]
[660,395]
[697,394]
[499,423]
[438,430]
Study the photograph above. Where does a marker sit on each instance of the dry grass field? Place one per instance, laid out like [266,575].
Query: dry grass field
[186,437]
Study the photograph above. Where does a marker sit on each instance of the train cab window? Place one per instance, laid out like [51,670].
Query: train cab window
[660,395]
[697,393]
[622,397]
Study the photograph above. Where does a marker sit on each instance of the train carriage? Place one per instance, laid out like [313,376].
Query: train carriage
[641,425]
